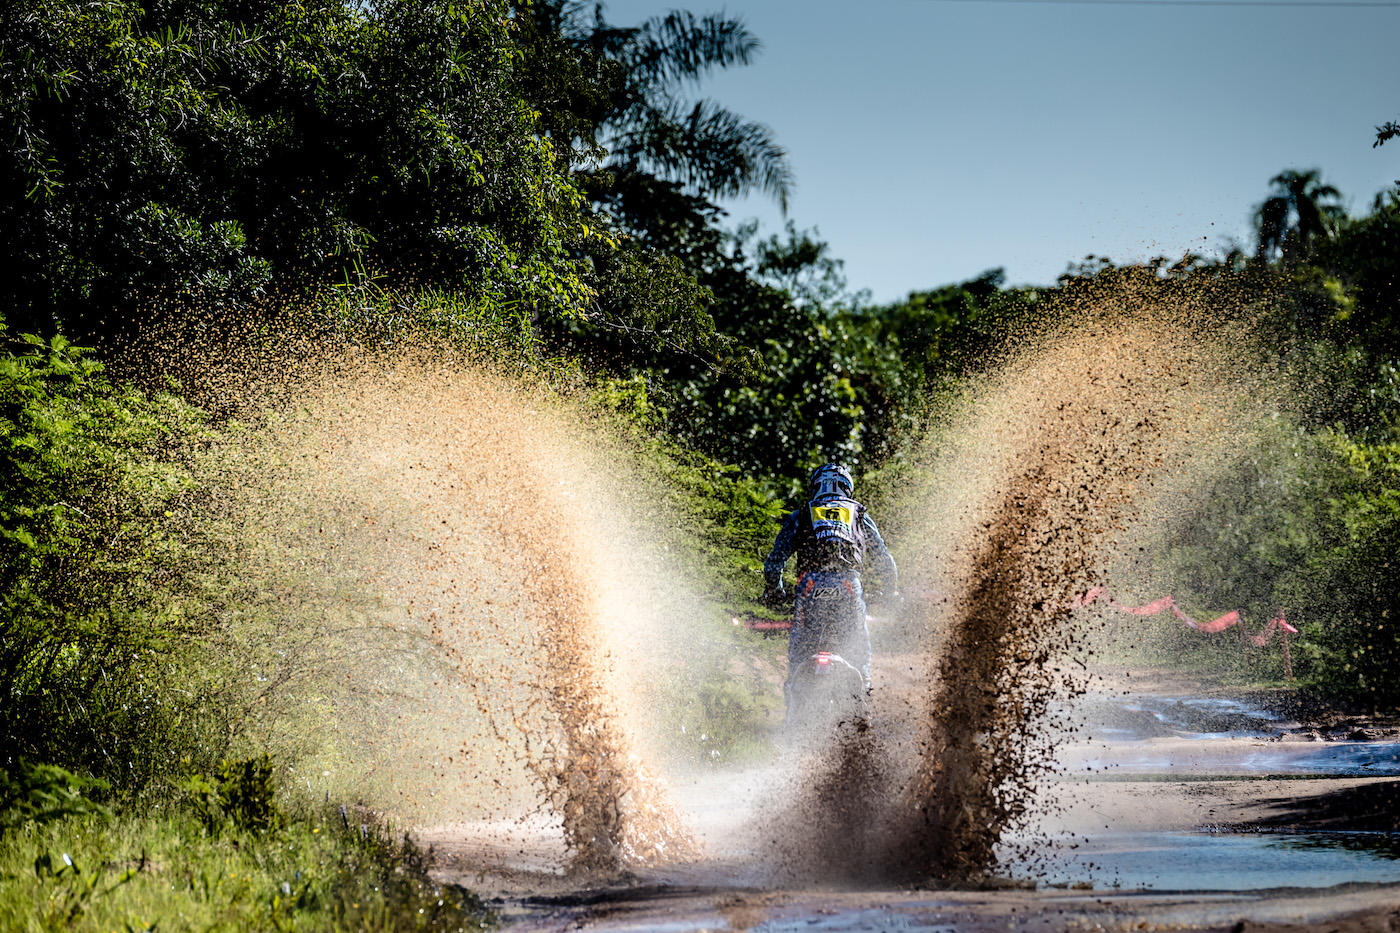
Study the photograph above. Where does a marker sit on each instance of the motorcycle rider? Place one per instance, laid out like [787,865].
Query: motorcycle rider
[831,536]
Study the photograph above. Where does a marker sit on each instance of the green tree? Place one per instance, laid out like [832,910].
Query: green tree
[203,152]
[654,129]
[952,331]
[804,400]
[1362,259]
[92,478]
[624,97]
[617,103]
[1350,586]
[1301,211]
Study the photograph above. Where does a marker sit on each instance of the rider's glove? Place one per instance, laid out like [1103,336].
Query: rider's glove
[774,598]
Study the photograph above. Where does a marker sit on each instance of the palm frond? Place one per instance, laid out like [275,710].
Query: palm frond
[1289,178]
[708,148]
[682,47]
[1386,132]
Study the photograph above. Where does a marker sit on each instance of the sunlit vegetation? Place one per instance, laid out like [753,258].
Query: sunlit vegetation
[229,860]
[532,184]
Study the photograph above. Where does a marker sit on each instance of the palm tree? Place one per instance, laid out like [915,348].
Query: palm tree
[1300,210]
[633,101]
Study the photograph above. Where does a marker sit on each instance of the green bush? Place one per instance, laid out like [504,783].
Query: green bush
[1351,588]
[1306,522]
[93,484]
[38,793]
[239,793]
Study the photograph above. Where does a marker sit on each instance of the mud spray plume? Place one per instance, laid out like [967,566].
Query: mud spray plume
[1033,488]
[479,572]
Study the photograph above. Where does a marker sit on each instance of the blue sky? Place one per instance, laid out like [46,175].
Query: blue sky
[932,140]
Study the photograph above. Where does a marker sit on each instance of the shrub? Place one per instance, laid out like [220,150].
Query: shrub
[92,481]
[39,792]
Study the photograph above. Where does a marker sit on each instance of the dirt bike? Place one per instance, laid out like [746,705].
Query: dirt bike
[824,691]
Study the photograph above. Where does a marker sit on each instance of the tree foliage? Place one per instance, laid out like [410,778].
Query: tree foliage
[1384,134]
[1301,211]
[1361,259]
[1307,520]
[92,484]
[621,91]
[1352,586]
[208,150]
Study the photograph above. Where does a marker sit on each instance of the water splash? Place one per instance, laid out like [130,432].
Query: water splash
[1032,489]
[1071,444]
[494,628]
[523,617]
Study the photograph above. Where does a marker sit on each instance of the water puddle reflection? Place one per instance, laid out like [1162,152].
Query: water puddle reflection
[1180,761]
[1202,861]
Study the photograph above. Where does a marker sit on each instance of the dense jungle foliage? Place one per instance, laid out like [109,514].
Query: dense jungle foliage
[1305,520]
[526,180]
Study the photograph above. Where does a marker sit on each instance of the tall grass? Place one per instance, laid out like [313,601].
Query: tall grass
[166,870]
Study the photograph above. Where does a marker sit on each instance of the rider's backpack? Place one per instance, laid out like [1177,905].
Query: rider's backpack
[836,539]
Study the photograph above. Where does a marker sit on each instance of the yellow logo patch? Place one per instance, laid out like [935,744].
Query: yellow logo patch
[831,513]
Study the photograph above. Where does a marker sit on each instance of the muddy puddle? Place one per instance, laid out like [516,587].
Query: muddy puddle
[1215,793]
[1148,716]
[1185,738]
[1191,759]
[1204,861]
[1210,816]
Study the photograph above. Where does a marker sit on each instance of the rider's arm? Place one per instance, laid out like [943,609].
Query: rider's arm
[880,555]
[781,553]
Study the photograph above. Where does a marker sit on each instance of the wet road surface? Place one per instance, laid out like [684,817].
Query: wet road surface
[1170,812]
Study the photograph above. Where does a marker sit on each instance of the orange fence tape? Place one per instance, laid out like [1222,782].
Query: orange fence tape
[1277,624]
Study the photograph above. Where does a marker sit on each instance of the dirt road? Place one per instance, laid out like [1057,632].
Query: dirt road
[1170,811]
[679,908]
[514,867]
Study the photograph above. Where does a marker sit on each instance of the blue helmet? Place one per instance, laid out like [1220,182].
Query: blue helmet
[832,479]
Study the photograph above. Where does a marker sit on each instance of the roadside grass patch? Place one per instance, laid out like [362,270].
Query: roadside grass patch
[166,871]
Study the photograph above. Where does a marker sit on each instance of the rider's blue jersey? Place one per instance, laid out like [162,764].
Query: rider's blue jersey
[831,534]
